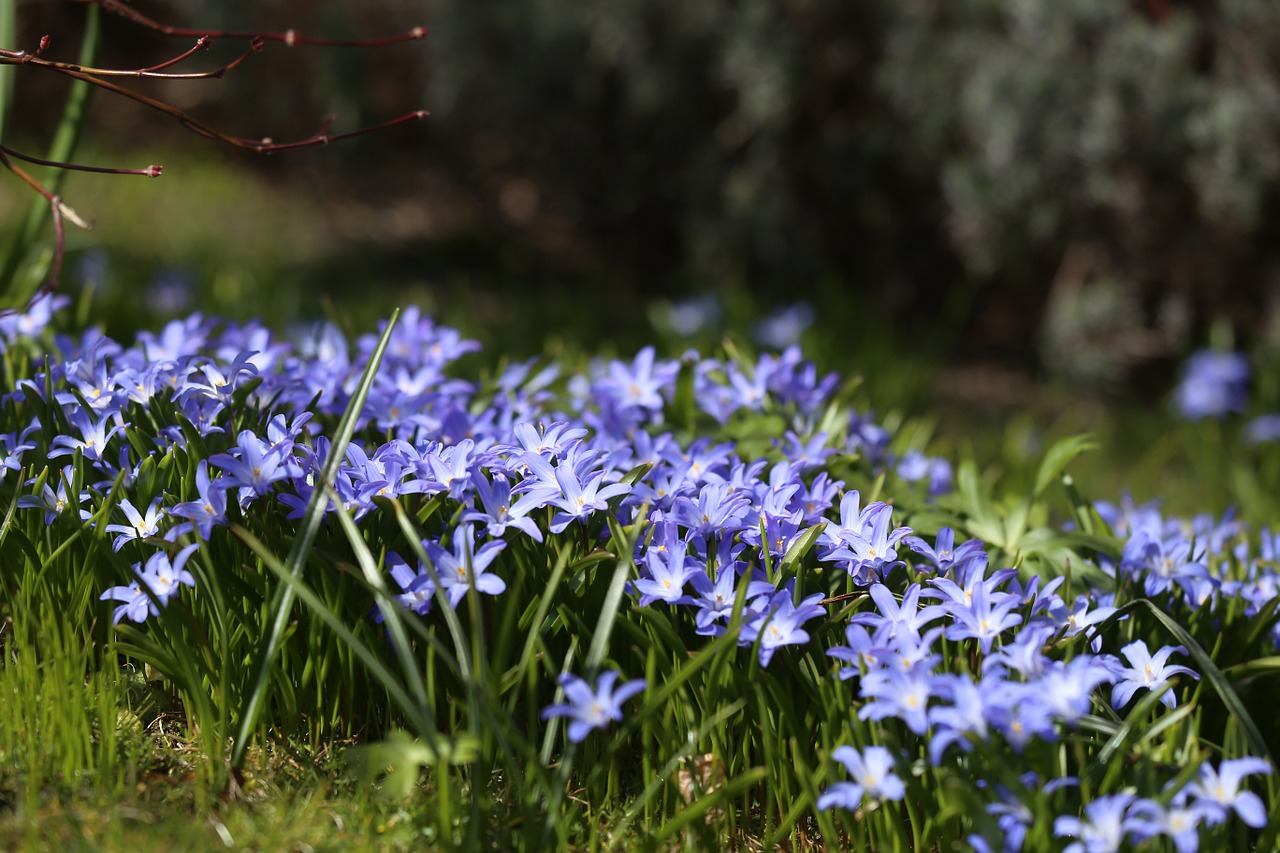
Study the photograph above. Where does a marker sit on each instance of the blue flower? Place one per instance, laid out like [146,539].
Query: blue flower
[418,586]
[1107,822]
[590,708]
[1160,560]
[784,326]
[913,466]
[208,509]
[669,569]
[779,624]
[463,567]
[31,322]
[1081,618]
[12,447]
[1263,429]
[1147,672]
[693,314]
[1213,385]
[966,717]
[715,600]
[866,546]
[895,618]
[162,577]
[1019,712]
[139,527]
[1066,689]
[718,511]
[548,441]
[580,499]
[873,778]
[94,436]
[983,620]
[1220,788]
[895,693]
[500,512]
[452,467]
[1180,822]
[638,385]
[55,502]
[865,651]
[256,468]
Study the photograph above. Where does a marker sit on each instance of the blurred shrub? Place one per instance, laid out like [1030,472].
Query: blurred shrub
[1105,173]
[1126,152]
[1089,181]
[714,139]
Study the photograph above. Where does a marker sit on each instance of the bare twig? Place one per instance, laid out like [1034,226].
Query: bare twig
[57,209]
[152,171]
[288,37]
[98,77]
[18,57]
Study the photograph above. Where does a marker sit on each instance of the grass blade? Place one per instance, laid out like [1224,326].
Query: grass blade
[391,613]
[376,666]
[687,750]
[613,598]
[710,800]
[282,603]
[1210,672]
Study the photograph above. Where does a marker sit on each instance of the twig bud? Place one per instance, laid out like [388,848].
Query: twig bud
[71,216]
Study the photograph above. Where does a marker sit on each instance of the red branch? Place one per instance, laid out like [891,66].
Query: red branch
[57,209]
[18,57]
[288,37]
[95,77]
[152,171]
[262,146]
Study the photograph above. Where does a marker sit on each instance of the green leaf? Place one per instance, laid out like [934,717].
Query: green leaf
[1122,737]
[659,781]
[1087,519]
[1015,525]
[1253,669]
[1262,622]
[1057,459]
[1209,672]
[803,545]
[397,761]
[983,520]
[308,597]
[683,409]
[144,484]
[637,473]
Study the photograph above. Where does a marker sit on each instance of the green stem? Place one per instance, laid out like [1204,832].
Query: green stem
[65,141]
[8,39]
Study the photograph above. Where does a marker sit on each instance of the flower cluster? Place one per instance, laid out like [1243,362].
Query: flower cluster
[940,643]
[1109,821]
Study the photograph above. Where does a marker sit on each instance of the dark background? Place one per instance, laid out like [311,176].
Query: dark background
[1079,191]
